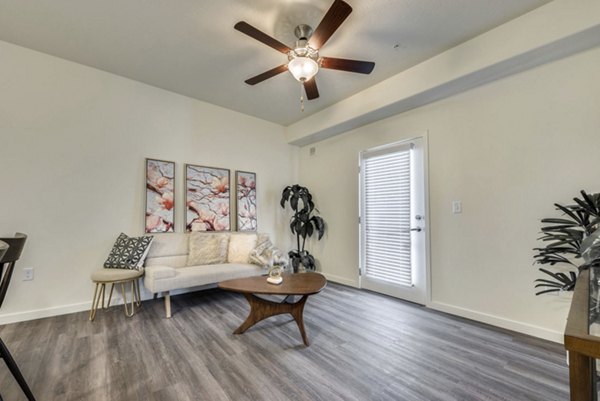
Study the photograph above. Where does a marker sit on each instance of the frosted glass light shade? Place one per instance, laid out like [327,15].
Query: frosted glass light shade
[303,68]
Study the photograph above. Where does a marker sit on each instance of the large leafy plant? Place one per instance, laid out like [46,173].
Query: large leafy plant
[571,238]
[304,224]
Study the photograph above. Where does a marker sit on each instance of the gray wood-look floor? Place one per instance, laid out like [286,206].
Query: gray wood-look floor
[364,346]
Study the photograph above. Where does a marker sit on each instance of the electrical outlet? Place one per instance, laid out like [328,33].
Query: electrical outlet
[456,207]
[28,274]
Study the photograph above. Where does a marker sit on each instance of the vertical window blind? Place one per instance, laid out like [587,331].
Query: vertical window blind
[387,188]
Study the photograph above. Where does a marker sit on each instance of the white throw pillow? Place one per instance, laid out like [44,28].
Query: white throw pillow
[207,249]
[240,246]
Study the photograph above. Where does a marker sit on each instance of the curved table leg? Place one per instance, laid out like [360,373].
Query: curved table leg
[298,313]
[261,309]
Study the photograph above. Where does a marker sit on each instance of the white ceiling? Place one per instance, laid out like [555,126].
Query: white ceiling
[190,46]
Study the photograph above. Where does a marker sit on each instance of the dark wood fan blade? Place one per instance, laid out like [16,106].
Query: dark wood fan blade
[337,13]
[251,31]
[267,74]
[310,87]
[362,67]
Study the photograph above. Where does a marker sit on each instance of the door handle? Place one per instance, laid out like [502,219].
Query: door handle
[418,229]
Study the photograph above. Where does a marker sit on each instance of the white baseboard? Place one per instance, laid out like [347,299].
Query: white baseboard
[42,313]
[16,317]
[498,321]
[340,280]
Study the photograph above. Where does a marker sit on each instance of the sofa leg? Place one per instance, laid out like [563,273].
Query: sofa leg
[155,295]
[168,304]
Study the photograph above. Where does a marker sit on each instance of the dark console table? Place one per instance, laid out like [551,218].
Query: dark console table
[582,336]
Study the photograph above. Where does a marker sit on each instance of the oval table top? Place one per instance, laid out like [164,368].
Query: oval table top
[293,284]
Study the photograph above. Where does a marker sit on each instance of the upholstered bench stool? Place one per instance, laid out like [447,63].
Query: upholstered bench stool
[116,276]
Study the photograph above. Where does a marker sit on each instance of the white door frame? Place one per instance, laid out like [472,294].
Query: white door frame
[426,223]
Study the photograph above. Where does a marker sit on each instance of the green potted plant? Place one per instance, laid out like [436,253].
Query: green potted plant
[571,238]
[304,224]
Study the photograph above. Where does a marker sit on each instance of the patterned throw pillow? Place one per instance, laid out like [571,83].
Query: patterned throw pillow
[261,255]
[128,252]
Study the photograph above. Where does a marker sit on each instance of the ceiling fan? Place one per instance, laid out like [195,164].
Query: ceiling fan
[304,60]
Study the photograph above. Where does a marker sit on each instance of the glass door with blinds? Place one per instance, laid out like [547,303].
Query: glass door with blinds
[392,220]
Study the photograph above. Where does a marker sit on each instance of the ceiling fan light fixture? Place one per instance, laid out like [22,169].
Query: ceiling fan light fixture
[303,68]
[303,60]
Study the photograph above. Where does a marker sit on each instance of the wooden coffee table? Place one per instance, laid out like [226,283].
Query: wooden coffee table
[303,284]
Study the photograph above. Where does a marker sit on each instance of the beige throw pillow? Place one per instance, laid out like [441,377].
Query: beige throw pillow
[240,246]
[207,249]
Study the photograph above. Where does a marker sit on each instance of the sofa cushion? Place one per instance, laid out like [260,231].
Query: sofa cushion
[192,276]
[108,275]
[240,246]
[128,252]
[207,249]
[160,272]
[172,261]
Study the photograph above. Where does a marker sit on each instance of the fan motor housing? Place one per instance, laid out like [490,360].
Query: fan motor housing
[303,32]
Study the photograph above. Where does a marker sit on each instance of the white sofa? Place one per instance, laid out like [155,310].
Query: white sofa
[166,267]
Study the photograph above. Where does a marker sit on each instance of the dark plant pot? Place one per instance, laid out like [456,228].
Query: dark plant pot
[301,261]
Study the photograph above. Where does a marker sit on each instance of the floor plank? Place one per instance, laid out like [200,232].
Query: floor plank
[364,346]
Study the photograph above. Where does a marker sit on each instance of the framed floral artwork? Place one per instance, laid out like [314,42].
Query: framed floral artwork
[160,202]
[207,198]
[245,188]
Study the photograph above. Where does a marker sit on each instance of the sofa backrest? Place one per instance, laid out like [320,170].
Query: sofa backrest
[172,249]
[169,250]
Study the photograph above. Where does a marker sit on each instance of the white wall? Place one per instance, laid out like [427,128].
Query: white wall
[508,151]
[72,146]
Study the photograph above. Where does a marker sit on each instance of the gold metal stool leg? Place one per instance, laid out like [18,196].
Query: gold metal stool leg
[135,298]
[137,288]
[112,287]
[124,295]
[95,300]
[98,295]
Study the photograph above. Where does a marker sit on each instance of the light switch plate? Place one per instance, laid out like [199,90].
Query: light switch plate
[28,274]
[456,207]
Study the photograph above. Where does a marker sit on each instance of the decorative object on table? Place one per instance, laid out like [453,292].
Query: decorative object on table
[128,252]
[160,200]
[574,236]
[245,188]
[275,275]
[207,198]
[10,252]
[277,264]
[304,223]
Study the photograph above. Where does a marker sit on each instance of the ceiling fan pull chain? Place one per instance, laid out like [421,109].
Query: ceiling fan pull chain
[301,97]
